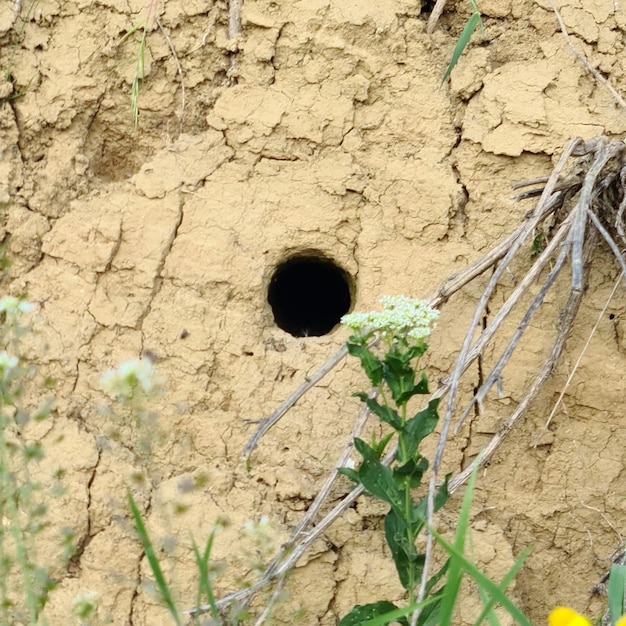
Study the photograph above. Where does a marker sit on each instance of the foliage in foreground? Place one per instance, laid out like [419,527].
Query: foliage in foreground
[390,474]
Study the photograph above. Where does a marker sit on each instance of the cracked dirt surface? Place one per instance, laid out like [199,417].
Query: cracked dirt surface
[327,129]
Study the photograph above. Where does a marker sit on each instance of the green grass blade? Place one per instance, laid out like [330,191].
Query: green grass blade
[506,581]
[132,30]
[461,44]
[491,588]
[152,559]
[455,571]
[616,592]
[204,584]
[487,613]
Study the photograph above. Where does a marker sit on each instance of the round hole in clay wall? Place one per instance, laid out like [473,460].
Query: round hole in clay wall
[308,294]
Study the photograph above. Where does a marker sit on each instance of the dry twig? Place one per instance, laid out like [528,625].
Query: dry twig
[180,74]
[234,18]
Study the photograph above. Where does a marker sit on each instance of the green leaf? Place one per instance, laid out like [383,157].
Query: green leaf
[422,385]
[416,350]
[398,374]
[394,616]
[412,471]
[350,473]
[375,451]
[418,427]
[430,615]
[435,578]
[419,388]
[408,562]
[387,414]
[152,559]
[487,613]
[378,480]
[371,364]
[441,497]
[366,451]
[616,592]
[363,613]
[461,44]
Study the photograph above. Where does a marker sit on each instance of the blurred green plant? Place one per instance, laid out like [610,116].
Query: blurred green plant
[24,582]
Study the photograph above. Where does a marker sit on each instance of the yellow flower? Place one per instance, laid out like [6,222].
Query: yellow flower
[564,616]
[621,621]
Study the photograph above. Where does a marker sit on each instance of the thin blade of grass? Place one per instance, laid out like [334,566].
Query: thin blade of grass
[132,30]
[480,579]
[204,585]
[455,572]
[461,44]
[489,614]
[616,592]
[381,620]
[506,581]
[487,611]
[152,559]
[138,78]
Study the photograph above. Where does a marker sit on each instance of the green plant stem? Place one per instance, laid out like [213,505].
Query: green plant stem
[383,395]
[5,558]
[204,585]
[8,497]
[408,505]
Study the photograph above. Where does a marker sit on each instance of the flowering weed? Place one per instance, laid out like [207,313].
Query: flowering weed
[24,582]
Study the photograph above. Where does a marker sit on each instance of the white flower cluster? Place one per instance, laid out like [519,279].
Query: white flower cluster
[132,377]
[12,306]
[400,317]
[8,365]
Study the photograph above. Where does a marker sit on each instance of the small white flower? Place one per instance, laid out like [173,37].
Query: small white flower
[400,317]
[8,365]
[130,378]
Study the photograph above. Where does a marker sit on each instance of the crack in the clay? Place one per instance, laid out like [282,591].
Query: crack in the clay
[158,278]
[457,216]
[479,363]
[74,564]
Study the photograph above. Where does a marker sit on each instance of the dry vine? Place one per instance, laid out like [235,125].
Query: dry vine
[592,192]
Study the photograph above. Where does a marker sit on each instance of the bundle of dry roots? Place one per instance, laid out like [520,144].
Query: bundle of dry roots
[583,200]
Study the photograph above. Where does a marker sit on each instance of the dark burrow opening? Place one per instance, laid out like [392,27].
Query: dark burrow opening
[308,295]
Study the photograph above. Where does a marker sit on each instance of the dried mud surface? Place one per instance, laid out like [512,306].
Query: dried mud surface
[323,127]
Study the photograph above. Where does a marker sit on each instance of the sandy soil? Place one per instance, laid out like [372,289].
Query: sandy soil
[324,126]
